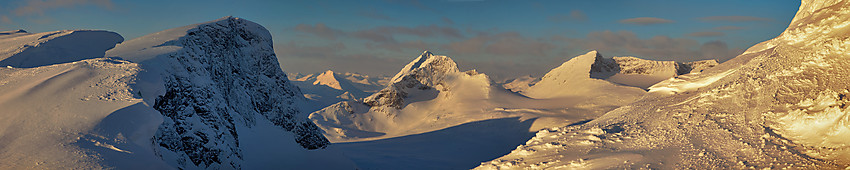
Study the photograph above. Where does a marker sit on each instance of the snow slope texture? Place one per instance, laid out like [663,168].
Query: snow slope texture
[24,50]
[781,104]
[79,115]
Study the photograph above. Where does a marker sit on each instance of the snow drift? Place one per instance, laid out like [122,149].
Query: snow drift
[24,50]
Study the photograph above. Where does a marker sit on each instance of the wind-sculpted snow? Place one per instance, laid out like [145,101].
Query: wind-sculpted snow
[209,81]
[24,50]
[78,115]
[781,104]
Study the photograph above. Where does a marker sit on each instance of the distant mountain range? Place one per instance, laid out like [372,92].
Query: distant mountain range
[213,96]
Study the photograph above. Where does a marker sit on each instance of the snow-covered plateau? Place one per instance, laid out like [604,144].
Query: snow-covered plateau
[213,96]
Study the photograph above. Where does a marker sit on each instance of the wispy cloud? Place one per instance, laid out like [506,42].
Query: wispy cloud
[414,3]
[724,28]
[5,19]
[645,21]
[40,6]
[657,48]
[320,30]
[374,14]
[707,34]
[733,19]
[575,15]
[503,44]
[447,20]
[382,34]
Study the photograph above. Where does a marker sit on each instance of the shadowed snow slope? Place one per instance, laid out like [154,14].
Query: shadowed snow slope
[22,49]
[781,104]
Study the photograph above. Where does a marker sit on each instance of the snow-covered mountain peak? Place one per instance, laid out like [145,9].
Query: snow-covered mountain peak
[211,82]
[328,78]
[149,46]
[581,62]
[573,78]
[427,68]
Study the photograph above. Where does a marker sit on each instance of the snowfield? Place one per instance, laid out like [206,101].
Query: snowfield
[87,117]
[432,109]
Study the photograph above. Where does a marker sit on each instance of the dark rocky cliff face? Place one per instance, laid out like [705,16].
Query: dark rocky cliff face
[226,76]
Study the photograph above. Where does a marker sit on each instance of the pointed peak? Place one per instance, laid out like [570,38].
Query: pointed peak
[426,53]
[429,62]
[328,78]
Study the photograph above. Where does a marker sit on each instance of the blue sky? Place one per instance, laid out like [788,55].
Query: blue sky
[502,38]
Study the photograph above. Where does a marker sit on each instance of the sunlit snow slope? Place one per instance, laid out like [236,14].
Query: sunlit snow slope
[80,115]
[22,49]
[781,104]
